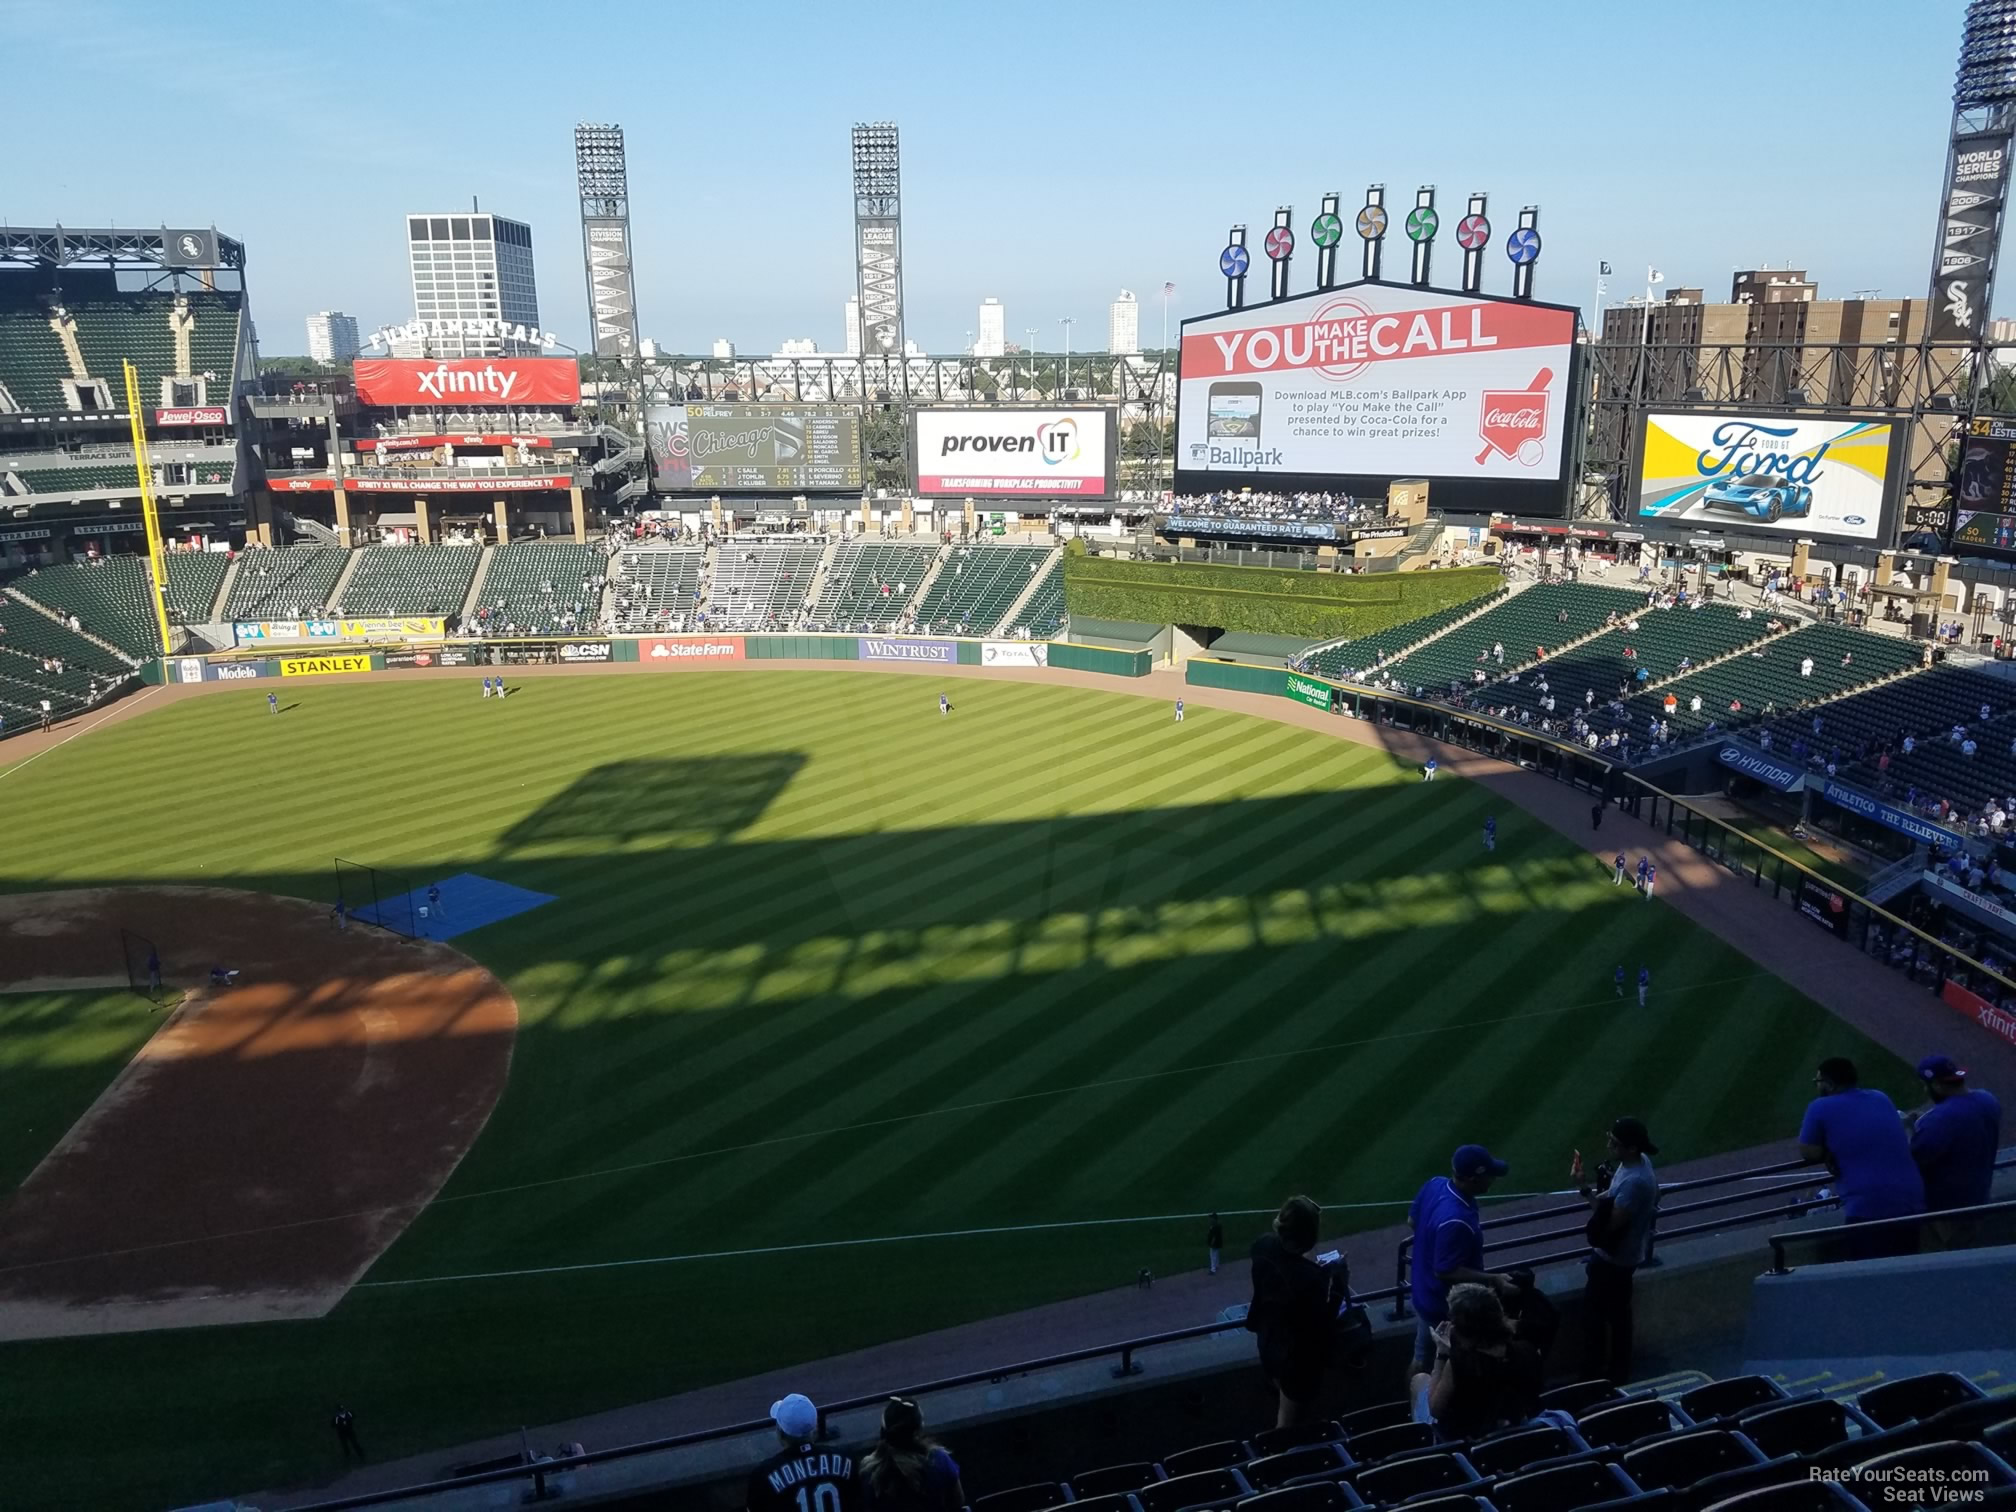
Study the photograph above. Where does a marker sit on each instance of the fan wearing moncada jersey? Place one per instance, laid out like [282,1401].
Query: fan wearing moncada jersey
[801,1476]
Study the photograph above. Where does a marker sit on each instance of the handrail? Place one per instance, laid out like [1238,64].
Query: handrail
[1912,1221]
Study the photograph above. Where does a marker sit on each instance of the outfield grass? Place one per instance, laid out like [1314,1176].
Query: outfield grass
[58,1051]
[827,967]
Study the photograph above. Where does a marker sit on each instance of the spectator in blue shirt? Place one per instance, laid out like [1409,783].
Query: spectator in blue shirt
[1955,1140]
[1448,1243]
[1859,1133]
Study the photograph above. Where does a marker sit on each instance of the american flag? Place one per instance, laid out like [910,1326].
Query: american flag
[1168,289]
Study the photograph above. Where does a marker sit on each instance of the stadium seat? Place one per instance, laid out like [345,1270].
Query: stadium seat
[975,587]
[1728,1397]
[1384,1415]
[1205,1488]
[1351,659]
[1113,1479]
[1316,1496]
[869,585]
[1727,1483]
[2001,1437]
[1661,1500]
[541,588]
[1413,1475]
[1036,1498]
[1907,1401]
[1807,1495]
[1119,1501]
[656,588]
[425,580]
[1562,1488]
[1685,1456]
[284,584]
[1278,1470]
[1375,1444]
[1623,1422]
[1507,1453]
[1581,1396]
[1042,616]
[760,587]
[1274,1440]
[1459,1502]
[1953,1462]
[1206,1457]
[1803,1427]
[1867,1446]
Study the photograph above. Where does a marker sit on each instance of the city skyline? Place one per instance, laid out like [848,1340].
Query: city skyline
[751,238]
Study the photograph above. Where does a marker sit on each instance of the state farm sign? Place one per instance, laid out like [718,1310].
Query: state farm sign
[203,415]
[470,381]
[698,648]
[1378,380]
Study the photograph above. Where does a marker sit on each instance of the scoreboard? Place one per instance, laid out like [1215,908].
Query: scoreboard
[777,448]
[1985,509]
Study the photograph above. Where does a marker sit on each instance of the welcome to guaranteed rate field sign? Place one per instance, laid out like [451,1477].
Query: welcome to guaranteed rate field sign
[1378,379]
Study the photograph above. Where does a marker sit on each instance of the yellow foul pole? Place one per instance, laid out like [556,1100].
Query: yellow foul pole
[156,564]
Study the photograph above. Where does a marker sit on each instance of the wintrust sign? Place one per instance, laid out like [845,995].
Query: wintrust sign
[995,453]
[474,381]
[1378,379]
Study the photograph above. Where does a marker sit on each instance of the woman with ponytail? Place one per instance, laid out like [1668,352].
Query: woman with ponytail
[906,1471]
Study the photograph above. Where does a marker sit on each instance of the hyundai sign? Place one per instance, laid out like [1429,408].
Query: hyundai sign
[1376,379]
[1752,763]
[996,453]
[1766,472]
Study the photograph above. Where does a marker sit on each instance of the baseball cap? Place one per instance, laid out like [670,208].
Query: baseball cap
[795,1416]
[1941,1068]
[1475,1160]
[1633,1135]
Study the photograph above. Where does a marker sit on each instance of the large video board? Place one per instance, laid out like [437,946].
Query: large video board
[1378,380]
[758,447]
[1820,477]
[999,453]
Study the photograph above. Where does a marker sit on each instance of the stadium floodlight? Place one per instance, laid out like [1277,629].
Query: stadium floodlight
[1987,73]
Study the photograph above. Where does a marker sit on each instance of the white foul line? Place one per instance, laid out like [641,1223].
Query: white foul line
[85,730]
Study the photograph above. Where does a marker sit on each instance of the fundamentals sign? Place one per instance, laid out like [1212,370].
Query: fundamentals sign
[1378,379]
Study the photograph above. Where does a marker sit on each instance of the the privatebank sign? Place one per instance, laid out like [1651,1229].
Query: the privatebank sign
[874,648]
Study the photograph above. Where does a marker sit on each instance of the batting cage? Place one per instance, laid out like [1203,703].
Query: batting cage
[143,966]
[365,895]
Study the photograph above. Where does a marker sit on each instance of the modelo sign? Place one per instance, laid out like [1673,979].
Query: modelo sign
[1766,472]
[1023,453]
[1378,379]
[469,382]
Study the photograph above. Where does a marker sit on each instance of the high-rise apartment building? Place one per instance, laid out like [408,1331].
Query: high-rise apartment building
[470,266]
[993,338]
[332,336]
[852,317]
[1123,324]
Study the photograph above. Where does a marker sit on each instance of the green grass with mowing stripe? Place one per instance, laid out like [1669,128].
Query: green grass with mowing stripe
[58,1051]
[828,968]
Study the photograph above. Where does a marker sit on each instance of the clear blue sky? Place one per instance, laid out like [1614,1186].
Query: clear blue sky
[1052,153]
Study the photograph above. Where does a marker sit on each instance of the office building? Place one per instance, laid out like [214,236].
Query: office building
[993,338]
[852,319]
[471,266]
[1123,324]
[724,349]
[332,336]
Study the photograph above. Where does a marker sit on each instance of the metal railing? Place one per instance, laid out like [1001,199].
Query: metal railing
[1873,1231]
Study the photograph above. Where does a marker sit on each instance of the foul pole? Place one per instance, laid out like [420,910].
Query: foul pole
[157,567]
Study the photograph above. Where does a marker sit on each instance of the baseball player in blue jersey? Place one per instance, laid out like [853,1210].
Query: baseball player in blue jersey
[1619,883]
[944,705]
[1490,832]
[1179,711]
[434,898]
[486,687]
[1651,876]
[273,703]
[1428,771]
[1619,979]
[1644,983]
[1644,865]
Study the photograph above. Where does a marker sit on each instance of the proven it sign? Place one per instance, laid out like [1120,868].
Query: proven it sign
[1003,453]
[469,381]
[1378,379]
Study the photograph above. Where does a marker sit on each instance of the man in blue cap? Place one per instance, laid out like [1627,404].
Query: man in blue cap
[1955,1140]
[1449,1243]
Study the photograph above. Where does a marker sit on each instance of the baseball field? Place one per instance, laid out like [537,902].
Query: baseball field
[844,1021]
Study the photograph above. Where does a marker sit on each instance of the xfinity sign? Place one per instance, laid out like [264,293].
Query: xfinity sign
[474,381]
[1000,452]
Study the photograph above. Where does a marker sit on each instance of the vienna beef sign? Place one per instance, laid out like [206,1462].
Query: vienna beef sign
[1378,379]
[473,381]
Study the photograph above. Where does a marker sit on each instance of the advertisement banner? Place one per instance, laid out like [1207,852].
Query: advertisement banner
[1824,905]
[1889,815]
[194,669]
[1315,694]
[206,415]
[420,481]
[1765,472]
[546,653]
[696,648]
[1969,232]
[1378,379]
[1015,654]
[875,648]
[1236,525]
[440,656]
[324,666]
[1783,776]
[1980,1010]
[997,453]
[428,443]
[469,381]
[410,627]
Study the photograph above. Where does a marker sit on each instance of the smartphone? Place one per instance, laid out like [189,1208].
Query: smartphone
[1234,410]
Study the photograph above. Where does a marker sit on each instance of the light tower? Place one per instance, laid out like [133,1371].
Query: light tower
[604,181]
[878,237]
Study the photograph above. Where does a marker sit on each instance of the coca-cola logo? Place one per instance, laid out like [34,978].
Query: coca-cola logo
[1528,418]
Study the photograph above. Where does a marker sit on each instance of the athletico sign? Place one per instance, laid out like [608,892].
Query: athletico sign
[1901,820]
[874,648]
[695,648]
[1379,380]
[477,380]
[994,453]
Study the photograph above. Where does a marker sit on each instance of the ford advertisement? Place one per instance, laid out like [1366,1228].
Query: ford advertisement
[1828,477]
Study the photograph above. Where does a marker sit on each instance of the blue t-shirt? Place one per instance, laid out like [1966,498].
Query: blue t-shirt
[1448,1235]
[1861,1131]
[1955,1144]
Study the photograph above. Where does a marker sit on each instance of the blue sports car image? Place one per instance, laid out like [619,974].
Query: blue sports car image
[1762,496]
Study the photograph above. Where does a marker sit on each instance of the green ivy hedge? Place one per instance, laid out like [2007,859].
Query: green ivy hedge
[1264,600]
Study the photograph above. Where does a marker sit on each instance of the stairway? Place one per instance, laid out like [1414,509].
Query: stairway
[62,619]
[311,530]
[930,576]
[342,584]
[1012,617]
[475,594]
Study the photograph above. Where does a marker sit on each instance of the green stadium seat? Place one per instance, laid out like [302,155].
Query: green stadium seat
[976,586]
[656,588]
[284,584]
[541,588]
[869,585]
